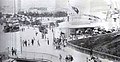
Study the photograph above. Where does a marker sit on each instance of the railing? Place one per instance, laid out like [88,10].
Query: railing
[37,56]
[96,53]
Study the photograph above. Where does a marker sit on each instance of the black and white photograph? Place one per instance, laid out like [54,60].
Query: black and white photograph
[59,30]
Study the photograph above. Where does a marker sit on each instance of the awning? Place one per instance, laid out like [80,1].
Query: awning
[90,25]
[64,25]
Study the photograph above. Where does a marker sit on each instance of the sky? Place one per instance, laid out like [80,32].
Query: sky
[49,4]
[6,5]
[83,5]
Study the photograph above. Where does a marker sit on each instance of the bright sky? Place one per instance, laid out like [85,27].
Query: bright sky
[82,5]
[50,4]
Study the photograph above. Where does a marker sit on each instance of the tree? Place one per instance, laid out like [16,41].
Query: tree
[46,14]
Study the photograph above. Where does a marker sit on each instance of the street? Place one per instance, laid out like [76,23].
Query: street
[16,38]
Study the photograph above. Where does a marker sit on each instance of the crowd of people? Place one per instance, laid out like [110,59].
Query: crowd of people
[94,41]
[61,41]
[93,59]
[89,32]
[31,42]
[28,43]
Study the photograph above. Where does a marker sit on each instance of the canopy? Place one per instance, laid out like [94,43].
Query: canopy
[64,25]
[68,25]
[84,26]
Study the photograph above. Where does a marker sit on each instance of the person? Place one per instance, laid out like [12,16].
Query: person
[8,50]
[65,42]
[12,51]
[60,57]
[61,33]
[52,29]
[45,36]
[0,58]
[28,43]
[15,51]
[97,59]
[38,43]
[59,40]
[87,59]
[66,58]
[25,43]
[115,14]
[91,52]
[22,29]
[47,41]
[92,57]
[32,42]
[70,58]
[42,36]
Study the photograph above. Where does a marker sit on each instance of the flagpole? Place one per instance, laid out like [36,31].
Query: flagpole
[68,13]
[68,19]
[14,7]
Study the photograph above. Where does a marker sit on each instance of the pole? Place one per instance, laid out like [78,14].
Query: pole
[19,5]
[14,7]
[21,44]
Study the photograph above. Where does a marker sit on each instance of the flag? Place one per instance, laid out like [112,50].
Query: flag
[75,9]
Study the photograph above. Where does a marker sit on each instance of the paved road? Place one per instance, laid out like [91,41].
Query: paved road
[28,34]
[45,48]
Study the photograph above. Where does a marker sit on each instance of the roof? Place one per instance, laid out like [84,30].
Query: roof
[68,25]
